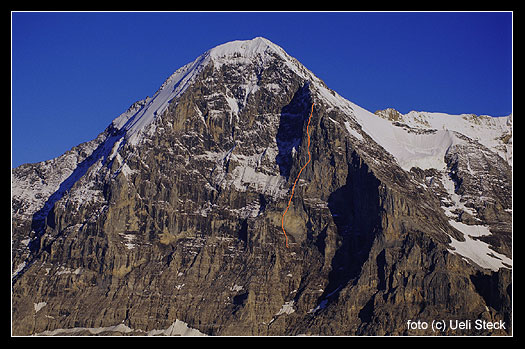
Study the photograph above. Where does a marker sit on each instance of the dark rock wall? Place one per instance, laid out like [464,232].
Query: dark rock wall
[170,240]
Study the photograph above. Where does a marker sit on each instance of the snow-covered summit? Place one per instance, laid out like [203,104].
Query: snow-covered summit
[142,113]
[245,48]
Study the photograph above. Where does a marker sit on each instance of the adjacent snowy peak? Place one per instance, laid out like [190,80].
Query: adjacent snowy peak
[409,147]
[494,133]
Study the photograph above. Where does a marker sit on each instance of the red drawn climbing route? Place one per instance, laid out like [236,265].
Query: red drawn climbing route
[293,188]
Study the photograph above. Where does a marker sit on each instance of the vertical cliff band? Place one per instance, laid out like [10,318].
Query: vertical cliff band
[293,188]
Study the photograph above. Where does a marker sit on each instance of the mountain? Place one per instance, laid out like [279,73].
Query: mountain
[171,220]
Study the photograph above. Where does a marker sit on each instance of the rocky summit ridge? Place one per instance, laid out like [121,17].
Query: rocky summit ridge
[169,221]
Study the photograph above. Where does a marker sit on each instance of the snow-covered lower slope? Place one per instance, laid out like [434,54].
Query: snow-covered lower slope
[476,250]
[178,328]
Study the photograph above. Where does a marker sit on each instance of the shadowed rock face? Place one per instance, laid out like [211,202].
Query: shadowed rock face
[186,224]
[290,131]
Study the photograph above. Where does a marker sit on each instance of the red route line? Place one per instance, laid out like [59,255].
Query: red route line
[293,188]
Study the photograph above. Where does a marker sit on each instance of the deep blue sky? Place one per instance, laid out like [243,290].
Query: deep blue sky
[73,73]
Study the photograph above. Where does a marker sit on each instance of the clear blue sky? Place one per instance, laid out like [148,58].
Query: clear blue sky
[73,73]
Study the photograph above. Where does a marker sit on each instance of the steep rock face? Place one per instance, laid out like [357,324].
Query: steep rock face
[180,220]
